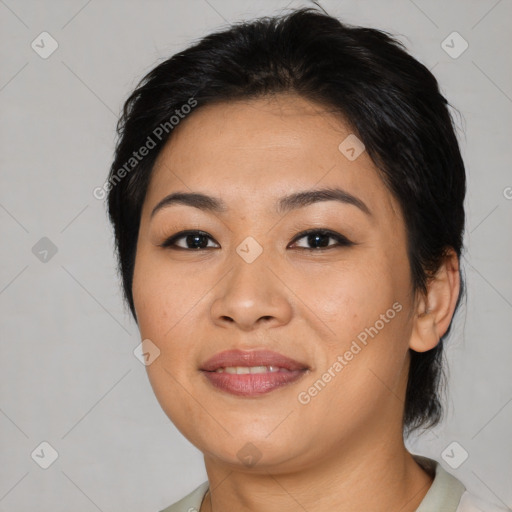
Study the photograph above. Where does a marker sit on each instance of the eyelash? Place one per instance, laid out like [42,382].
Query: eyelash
[341,240]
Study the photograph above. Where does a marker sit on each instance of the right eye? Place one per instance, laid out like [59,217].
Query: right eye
[190,240]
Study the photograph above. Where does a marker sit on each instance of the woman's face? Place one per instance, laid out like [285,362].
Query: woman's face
[338,303]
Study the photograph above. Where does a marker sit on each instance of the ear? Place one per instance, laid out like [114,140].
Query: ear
[434,310]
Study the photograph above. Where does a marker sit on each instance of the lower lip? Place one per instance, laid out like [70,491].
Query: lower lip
[252,384]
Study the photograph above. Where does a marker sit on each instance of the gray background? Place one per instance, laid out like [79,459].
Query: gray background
[69,375]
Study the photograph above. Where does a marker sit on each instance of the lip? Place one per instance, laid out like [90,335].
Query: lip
[251,358]
[256,383]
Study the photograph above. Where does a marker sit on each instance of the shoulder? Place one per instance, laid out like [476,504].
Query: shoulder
[191,502]
[471,503]
[448,494]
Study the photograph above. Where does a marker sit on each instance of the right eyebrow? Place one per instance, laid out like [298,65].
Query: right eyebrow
[201,201]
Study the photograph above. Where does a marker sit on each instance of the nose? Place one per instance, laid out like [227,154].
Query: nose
[251,296]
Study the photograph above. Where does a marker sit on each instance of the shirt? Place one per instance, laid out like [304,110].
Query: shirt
[446,494]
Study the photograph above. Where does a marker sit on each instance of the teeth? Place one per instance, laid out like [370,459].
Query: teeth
[241,370]
[258,369]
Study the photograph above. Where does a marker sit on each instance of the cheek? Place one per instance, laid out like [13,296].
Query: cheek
[164,301]
[162,296]
[348,297]
[365,305]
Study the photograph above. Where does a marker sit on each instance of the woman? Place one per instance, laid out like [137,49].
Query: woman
[287,198]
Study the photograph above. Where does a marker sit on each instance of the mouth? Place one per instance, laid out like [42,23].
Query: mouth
[251,373]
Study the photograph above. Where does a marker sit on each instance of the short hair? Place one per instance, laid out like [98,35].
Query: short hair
[391,102]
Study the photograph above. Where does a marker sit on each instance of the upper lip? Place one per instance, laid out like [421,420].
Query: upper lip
[251,358]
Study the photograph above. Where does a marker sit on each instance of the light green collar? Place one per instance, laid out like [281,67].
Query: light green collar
[444,493]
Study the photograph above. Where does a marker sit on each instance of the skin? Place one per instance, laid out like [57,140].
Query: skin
[306,304]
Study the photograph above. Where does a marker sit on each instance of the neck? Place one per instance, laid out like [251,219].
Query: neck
[358,477]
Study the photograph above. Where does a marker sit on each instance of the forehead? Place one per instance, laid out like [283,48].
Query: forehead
[254,151]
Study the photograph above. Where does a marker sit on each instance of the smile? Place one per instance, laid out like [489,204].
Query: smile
[243,370]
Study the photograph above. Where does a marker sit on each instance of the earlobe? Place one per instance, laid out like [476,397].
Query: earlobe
[435,309]
[425,333]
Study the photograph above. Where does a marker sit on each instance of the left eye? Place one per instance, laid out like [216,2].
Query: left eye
[319,239]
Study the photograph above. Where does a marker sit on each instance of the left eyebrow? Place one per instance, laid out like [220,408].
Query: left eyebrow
[284,204]
[301,199]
